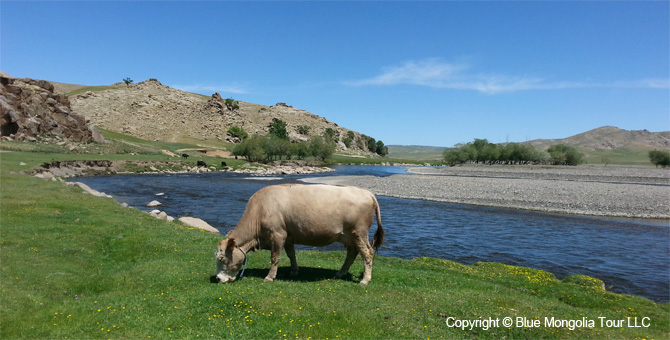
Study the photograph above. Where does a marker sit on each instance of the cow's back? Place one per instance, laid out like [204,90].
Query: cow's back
[313,214]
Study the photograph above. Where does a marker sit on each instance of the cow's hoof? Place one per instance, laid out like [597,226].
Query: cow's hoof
[340,275]
[268,279]
[364,283]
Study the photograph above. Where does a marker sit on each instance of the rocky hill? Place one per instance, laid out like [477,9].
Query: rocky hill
[151,110]
[30,108]
[610,138]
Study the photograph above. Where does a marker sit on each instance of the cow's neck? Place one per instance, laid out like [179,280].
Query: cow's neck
[246,241]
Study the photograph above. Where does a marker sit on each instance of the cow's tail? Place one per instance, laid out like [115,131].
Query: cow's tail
[378,239]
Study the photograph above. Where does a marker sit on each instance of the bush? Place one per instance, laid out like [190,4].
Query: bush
[658,157]
[303,129]
[232,104]
[238,132]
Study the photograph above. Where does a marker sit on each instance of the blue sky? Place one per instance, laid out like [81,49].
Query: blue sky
[422,73]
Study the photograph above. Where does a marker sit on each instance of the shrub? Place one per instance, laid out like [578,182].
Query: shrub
[238,132]
[232,104]
[658,157]
[303,129]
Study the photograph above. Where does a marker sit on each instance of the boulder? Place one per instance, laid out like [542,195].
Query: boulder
[198,223]
[29,108]
[154,204]
[88,189]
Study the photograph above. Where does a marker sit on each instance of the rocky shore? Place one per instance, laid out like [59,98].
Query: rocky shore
[611,191]
[68,169]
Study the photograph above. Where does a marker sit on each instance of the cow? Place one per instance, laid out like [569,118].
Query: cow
[281,216]
[201,163]
[184,155]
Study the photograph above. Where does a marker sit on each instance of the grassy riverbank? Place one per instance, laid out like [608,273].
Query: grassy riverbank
[75,266]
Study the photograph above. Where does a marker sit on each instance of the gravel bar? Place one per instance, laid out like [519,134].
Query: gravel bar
[615,191]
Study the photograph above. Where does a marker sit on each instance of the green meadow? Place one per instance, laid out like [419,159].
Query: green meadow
[75,266]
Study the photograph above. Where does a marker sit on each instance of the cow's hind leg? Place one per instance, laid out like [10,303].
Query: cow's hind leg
[367,253]
[290,252]
[352,252]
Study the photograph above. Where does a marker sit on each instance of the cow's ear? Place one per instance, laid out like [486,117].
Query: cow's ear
[231,243]
[228,234]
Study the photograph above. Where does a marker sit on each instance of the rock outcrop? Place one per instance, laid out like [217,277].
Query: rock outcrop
[30,108]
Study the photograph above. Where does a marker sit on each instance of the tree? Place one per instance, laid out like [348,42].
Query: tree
[252,149]
[321,148]
[372,144]
[562,154]
[128,81]
[238,132]
[278,128]
[455,156]
[300,150]
[381,149]
[658,157]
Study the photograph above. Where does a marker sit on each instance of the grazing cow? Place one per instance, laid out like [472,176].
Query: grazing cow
[281,216]
[184,155]
[224,164]
[201,163]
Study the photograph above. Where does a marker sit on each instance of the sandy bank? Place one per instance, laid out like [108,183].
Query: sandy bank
[622,192]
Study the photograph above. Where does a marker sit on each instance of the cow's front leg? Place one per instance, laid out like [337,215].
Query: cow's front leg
[275,255]
[290,251]
[352,252]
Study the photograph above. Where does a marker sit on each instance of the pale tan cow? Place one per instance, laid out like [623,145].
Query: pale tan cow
[281,216]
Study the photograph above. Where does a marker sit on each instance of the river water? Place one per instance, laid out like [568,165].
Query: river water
[630,255]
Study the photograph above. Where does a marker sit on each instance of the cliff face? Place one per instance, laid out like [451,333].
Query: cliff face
[30,108]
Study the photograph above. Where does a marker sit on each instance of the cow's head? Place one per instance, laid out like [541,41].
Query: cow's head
[229,260]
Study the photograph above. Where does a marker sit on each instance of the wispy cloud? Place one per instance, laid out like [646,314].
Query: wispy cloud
[436,73]
[210,89]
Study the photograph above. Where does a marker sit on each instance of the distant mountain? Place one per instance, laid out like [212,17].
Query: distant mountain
[607,142]
[610,138]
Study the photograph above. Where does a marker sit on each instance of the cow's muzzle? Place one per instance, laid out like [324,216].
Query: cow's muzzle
[223,278]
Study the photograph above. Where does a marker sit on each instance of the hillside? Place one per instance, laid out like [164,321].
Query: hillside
[151,110]
[416,152]
[610,138]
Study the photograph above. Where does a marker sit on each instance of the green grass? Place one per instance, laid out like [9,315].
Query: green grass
[93,89]
[76,267]
[618,156]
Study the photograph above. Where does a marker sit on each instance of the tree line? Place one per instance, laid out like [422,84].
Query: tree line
[482,151]
[276,145]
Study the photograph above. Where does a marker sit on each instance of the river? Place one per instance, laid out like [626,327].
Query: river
[630,255]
